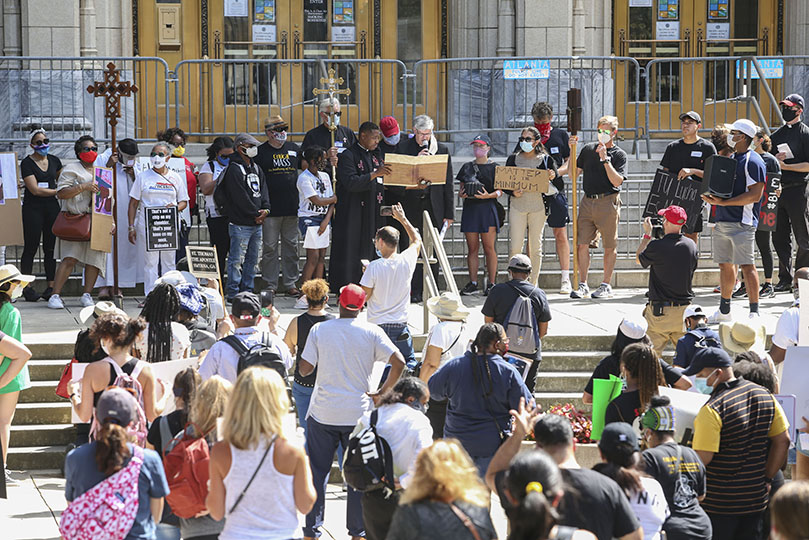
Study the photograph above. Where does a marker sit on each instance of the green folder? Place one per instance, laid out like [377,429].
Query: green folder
[604,391]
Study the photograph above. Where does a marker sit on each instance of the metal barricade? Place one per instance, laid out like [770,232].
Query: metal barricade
[471,95]
[52,92]
[214,97]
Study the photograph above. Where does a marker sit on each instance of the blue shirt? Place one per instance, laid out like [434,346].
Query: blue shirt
[471,416]
[686,344]
[82,474]
[750,170]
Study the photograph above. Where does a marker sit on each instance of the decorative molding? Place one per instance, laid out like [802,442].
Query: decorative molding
[444,29]
[377,29]
[204,28]
[135,47]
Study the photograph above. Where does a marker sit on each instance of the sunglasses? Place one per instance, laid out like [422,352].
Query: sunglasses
[337,114]
[278,129]
[161,154]
[90,149]
[607,131]
[42,142]
[526,139]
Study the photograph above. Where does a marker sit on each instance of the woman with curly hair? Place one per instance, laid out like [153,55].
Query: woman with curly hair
[641,367]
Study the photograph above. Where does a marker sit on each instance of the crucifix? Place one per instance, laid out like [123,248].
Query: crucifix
[112,89]
[332,87]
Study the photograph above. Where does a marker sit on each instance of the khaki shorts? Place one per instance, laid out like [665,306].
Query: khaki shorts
[599,215]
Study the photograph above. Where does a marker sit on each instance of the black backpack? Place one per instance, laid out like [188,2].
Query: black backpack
[260,354]
[368,464]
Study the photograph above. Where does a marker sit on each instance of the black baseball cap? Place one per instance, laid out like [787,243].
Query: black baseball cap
[793,100]
[246,305]
[708,357]
[693,115]
[618,434]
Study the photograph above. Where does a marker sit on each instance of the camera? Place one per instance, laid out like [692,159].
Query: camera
[657,228]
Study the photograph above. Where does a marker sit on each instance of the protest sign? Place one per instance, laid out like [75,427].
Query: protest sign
[10,202]
[686,405]
[161,228]
[202,261]
[793,381]
[667,190]
[103,222]
[803,315]
[410,170]
[604,391]
[768,214]
[522,179]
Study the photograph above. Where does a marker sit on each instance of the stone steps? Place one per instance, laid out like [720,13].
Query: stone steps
[43,434]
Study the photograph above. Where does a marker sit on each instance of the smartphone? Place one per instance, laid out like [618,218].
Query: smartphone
[130,163]
[385,210]
[365,262]
[267,299]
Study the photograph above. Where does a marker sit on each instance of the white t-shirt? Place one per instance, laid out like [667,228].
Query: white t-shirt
[349,356]
[153,189]
[223,360]
[218,169]
[650,507]
[180,341]
[449,336]
[786,331]
[309,186]
[390,280]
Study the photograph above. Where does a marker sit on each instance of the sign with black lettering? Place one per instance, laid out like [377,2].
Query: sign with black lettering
[667,190]
[161,228]
[768,214]
[202,261]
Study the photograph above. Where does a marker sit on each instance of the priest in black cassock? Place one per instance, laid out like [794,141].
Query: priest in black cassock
[356,215]
[437,199]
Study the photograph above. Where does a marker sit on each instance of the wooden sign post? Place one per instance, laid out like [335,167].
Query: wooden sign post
[574,126]
[112,89]
[332,87]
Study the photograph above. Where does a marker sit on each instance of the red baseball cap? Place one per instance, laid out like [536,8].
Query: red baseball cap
[389,126]
[352,297]
[674,214]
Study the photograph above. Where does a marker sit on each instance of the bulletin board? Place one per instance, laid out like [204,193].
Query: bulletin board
[10,202]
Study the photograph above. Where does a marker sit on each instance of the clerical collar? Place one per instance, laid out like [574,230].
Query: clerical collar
[361,146]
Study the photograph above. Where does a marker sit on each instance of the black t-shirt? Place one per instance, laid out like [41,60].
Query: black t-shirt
[771,164]
[595,179]
[681,155]
[682,486]
[344,138]
[176,421]
[485,176]
[596,503]
[503,295]
[611,365]
[797,137]
[280,166]
[29,167]
[624,408]
[673,260]
[558,145]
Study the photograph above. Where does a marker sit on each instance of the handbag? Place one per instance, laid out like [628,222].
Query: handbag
[72,227]
[67,374]
[466,520]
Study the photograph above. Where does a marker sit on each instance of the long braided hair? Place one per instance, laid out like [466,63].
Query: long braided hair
[641,363]
[161,308]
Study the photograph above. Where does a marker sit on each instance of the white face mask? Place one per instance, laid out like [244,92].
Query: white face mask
[730,141]
[17,292]
[158,162]
[281,136]
[604,138]
[526,146]
[251,152]
[393,140]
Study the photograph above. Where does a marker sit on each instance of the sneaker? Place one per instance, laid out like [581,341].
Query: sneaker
[736,287]
[754,315]
[741,292]
[566,287]
[487,289]
[719,317]
[302,303]
[55,302]
[603,291]
[783,286]
[469,288]
[582,292]
[767,291]
[717,289]
[86,300]
[9,480]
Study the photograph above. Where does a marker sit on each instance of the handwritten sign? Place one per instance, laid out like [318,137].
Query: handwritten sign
[667,190]
[161,228]
[410,170]
[768,216]
[793,381]
[202,261]
[522,179]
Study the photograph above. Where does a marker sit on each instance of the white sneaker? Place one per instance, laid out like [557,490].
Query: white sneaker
[582,292]
[603,291]
[755,315]
[719,317]
[86,300]
[55,302]
[566,287]
[302,303]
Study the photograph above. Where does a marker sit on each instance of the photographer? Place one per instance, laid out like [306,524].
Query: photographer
[671,258]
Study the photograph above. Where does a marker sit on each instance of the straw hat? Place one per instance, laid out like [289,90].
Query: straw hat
[742,336]
[99,309]
[9,272]
[448,306]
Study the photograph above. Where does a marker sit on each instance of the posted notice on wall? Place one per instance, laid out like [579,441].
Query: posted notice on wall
[264,33]
[237,8]
[343,34]
[161,228]
[522,179]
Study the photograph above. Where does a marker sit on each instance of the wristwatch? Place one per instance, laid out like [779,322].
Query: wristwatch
[608,160]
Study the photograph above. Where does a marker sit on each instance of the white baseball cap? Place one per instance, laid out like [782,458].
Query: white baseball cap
[633,328]
[693,311]
[745,126]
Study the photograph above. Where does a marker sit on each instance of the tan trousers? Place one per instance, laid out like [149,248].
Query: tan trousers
[534,222]
[665,328]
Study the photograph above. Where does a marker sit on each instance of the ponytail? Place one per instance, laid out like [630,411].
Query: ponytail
[533,480]
[489,333]
[111,448]
[640,360]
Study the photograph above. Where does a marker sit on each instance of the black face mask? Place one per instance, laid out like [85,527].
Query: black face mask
[788,114]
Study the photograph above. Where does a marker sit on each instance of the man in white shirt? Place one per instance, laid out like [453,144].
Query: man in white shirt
[386,282]
[223,359]
[350,355]
[786,331]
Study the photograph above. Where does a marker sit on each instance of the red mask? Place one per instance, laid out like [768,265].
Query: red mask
[544,131]
[88,157]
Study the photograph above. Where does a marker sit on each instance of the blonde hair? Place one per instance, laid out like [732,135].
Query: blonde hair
[256,409]
[209,403]
[445,472]
[315,290]
[790,520]
[608,120]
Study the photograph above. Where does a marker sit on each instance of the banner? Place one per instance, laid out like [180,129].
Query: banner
[522,179]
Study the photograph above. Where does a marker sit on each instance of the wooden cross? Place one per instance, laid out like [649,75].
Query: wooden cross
[331,87]
[112,89]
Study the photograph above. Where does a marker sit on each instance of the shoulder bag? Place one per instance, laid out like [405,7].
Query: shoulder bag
[466,520]
[72,227]
[260,463]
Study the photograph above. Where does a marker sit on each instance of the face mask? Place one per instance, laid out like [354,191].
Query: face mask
[393,140]
[701,384]
[623,382]
[526,146]
[378,253]
[796,293]
[322,165]
[42,150]
[223,160]
[158,162]
[17,292]
[178,151]
[730,141]
[788,114]
[281,136]
[104,347]
[480,151]
[753,145]
[336,121]
[604,138]
[88,157]
[251,152]
[419,406]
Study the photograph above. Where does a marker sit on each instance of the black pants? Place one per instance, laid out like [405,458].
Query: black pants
[377,513]
[793,217]
[737,527]
[763,243]
[37,223]
[220,238]
[437,414]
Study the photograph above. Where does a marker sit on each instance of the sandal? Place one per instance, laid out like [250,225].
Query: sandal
[293,292]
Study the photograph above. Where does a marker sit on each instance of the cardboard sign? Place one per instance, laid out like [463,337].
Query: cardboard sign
[667,190]
[410,170]
[103,222]
[793,381]
[768,215]
[522,179]
[686,405]
[161,228]
[10,202]
[202,261]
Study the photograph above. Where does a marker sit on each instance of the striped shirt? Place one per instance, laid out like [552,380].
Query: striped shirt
[736,424]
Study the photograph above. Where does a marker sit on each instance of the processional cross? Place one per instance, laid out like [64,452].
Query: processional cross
[331,86]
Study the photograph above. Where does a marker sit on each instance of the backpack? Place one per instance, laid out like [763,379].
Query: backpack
[108,509]
[521,325]
[122,380]
[260,354]
[185,460]
[368,463]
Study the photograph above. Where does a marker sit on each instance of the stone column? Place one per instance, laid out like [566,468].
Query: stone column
[579,48]
[12,32]
[87,27]
[505,28]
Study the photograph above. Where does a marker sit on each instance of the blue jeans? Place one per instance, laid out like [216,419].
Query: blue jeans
[245,241]
[321,442]
[405,346]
